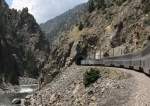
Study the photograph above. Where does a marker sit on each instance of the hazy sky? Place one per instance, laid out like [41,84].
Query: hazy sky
[9,2]
[44,10]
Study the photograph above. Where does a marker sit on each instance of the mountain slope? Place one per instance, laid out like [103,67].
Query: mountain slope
[64,22]
[23,48]
[107,28]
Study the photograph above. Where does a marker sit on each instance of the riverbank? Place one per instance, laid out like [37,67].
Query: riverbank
[8,92]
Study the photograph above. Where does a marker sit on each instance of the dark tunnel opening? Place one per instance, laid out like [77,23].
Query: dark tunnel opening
[79,59]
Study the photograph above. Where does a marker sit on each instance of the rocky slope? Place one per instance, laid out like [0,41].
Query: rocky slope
[54,27]
[106,28]
[68,89]
[23,48]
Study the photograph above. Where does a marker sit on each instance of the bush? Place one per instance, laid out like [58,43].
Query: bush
[30,64]
[148,38]
[91,5]
[96,4]
[100,4]
[81,26]
[145,7]
[90,76]
[109,17]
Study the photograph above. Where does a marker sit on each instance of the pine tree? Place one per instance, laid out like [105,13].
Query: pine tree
[81,26]
[91,5]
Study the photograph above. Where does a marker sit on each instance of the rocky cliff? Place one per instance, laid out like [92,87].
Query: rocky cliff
[106,28]
[23,48]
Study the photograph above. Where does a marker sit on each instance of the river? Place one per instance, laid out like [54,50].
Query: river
[21,92]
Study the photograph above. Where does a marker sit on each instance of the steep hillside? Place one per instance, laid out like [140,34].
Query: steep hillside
[107,28]
[23,48]
[64,22]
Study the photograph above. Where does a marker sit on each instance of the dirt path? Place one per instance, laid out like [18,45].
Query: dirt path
[141,93]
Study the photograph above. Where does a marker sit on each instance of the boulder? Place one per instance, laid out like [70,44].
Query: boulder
[16,101]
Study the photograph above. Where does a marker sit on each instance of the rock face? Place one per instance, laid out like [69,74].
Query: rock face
[104,28]
[23,48]
[3,4]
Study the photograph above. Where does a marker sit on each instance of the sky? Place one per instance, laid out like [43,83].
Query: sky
[44,10]
[9,2]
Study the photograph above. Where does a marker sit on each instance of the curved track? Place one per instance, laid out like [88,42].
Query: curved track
[137,61]
[140,95]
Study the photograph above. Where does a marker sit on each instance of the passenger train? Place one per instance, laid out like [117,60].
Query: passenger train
[137,61]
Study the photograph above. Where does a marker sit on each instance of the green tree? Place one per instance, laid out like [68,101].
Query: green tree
[91,5]
[81,26]
[146,4]
[100,4]
[30,64]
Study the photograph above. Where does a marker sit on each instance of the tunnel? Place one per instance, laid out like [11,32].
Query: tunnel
[79,59]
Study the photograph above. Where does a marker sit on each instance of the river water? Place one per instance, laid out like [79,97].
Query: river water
[21,92]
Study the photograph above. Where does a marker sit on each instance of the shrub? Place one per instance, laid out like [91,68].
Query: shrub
[91,5]
[30,64]
[109,17]
[100,4]
[145,7]
[96,4]
[148,38]
[81,26]
[87,23]
[90,76]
